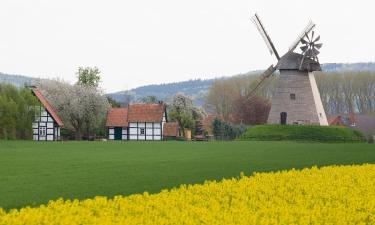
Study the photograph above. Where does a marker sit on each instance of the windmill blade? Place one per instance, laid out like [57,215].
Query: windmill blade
[266,74]
[318,46]
[315,52]
[259,25]
[310,26]
[308,38]
[317,39]
[303,41]
[304,48]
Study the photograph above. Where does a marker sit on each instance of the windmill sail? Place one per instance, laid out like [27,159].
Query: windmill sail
[259,25]
[266,74]
[310,26]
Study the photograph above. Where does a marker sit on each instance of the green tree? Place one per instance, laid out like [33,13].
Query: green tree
[184,112]
[150,99]
[217,128]
[113,103]
[88,76]
[16,112]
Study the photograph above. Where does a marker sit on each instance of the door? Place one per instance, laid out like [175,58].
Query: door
[118,133]
[283,116]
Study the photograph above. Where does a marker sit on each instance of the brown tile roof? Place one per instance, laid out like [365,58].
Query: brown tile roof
[335,121]
[343,120]
[170,129]
[47,106]
[117,117]
[146,112]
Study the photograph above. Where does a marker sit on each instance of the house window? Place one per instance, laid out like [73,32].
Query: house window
[142,131]
[42,131]
[293,96]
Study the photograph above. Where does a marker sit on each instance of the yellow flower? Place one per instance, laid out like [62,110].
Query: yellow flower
[329,195]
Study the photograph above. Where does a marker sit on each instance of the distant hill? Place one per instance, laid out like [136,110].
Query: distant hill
[17,80]
[196,89]
[337,67]
[193,88]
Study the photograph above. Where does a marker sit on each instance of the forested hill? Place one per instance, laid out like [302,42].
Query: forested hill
[336,67]
[194,88]
[17,80]
[198,88]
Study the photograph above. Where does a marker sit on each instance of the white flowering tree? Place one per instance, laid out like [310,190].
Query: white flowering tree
[82,108]
[184,112]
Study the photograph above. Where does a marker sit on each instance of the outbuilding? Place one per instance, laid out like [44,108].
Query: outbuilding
[47,124]
[137,122]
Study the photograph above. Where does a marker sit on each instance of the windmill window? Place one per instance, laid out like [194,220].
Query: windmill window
[293,96]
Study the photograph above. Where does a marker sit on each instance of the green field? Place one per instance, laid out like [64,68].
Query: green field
[31,173]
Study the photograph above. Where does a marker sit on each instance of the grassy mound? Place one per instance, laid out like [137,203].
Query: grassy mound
[302,133]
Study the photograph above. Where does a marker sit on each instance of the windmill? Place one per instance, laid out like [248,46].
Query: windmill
[297,98]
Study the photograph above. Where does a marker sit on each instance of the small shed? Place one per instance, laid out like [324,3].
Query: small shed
[171,130]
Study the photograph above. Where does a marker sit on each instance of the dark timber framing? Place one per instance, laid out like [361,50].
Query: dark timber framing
[147,128]
[44,126]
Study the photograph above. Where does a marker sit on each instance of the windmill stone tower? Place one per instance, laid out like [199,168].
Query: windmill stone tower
[296,99]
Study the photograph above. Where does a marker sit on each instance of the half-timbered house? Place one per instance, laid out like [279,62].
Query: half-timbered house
[137,122]
[47,124]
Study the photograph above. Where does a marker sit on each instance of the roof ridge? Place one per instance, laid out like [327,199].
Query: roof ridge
[47,106]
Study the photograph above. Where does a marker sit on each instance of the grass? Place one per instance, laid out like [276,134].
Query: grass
[31,173]
[329,134]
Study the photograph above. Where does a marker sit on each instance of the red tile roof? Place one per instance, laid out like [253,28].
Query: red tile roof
[335,121]
[146,112]
[343,120]
[117,117]
[170,129]
[120,117]
[47,106]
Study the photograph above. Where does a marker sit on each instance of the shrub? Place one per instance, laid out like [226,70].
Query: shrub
[226,131]
[302,133]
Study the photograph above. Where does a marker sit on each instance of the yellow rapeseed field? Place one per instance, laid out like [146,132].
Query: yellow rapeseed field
[329,195]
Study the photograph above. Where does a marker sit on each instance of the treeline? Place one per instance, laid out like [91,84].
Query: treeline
[347,92]
[341,92]
[16,112]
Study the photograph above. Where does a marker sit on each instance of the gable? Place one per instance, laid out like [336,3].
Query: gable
[47,106]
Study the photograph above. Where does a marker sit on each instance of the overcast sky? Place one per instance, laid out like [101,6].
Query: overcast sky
[143,42]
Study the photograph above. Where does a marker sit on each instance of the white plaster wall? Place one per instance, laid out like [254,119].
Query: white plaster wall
[318,101]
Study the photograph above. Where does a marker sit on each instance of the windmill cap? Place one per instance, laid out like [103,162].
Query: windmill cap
[292,61]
